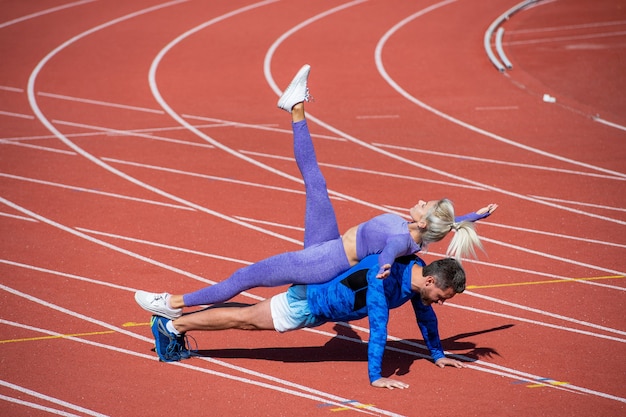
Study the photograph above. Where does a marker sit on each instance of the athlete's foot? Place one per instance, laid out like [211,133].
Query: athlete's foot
[297,91]
[157,304]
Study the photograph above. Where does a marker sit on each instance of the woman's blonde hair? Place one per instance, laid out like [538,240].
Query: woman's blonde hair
[440,221]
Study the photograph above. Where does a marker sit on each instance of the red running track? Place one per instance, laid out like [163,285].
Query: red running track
[141,148]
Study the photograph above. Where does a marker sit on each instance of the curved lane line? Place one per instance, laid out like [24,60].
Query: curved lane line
[157,95]
[401,91]
[271,82]
[42,118]
[43,12]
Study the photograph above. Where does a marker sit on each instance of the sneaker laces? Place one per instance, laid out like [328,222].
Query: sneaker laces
[158,299]
[178,348]
[183,346]
[307,96]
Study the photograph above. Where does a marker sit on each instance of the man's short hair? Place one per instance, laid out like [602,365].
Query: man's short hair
[448,272]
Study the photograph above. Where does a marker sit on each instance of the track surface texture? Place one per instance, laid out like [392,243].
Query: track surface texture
[141,148]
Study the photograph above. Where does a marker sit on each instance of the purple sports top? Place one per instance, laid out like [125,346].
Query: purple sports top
[388,235]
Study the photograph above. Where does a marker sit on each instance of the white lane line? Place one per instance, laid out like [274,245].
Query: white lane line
[368,171]
[569,27]
[559,235]
[133,132]
[205,176]
[157,95]
[44,12]
[42,118]
[103,103]
[394,85]
[18,115]
[544,274]
[259,298]
[38,147]
[546,313]
[611,124]
[402,158]
[580,203]
[498,162]
[11,89]
[566,38]
[44,397]
[306,392]
[536,322]
[13,216]
[507,372]
[37,406]
[92,191]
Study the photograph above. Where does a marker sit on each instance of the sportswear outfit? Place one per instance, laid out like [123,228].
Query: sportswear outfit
[323,256]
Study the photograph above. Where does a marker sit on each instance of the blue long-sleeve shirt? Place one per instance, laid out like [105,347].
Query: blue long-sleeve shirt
[357,293]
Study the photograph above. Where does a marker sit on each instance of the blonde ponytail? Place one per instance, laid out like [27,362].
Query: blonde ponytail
[440,221]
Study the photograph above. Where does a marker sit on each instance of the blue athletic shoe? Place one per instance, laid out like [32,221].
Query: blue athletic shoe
[169,346]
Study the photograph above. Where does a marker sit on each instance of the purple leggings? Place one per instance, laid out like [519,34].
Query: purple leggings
[323,256]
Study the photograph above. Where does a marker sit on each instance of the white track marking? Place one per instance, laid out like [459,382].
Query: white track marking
[579,203]
[37,406]
[556,258]
[566,38]
[205,176]
[42,118]
[44,12]
[369,171]
[19,115]
[90,191]
[402,158]
[498,162]
[306,392]
[536,322]
[569,27]
[405,94]
[545,313]
[136,133]
[13,216]
[157,95]
[259,298]
[179,119]
[509,372]
[611,124]
[45,398]
[105,103]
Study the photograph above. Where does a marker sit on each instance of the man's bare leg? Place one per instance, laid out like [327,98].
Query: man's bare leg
[255,317]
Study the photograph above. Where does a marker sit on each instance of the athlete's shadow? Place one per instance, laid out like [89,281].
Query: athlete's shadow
[342,348]
[397,362]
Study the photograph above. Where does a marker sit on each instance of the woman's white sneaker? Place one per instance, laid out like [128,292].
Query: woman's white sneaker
[297,91]
[157,304]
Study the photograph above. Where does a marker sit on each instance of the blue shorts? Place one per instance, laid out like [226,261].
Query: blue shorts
[290,310]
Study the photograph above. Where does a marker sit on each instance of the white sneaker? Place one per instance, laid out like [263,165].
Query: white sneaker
[157,304]
[297,92]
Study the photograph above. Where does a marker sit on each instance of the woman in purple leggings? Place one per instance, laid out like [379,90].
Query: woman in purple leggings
[326,253]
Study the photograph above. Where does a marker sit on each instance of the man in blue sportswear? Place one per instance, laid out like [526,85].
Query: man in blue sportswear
[352,295]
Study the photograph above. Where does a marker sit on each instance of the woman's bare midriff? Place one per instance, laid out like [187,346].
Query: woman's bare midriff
[349,245]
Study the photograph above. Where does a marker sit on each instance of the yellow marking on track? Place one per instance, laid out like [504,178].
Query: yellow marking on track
[134,324]
[557,383]
[552,281]
[61,336]
[348,408]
